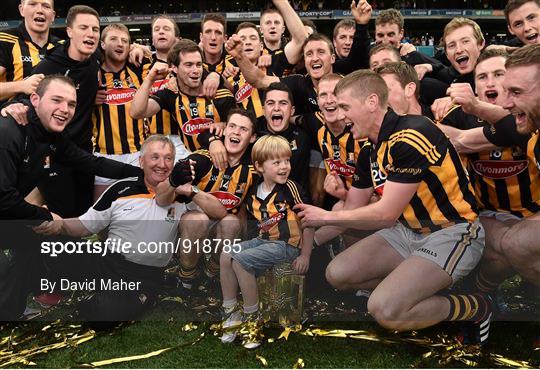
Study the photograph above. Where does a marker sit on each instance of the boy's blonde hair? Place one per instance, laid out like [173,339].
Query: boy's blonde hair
[270,147]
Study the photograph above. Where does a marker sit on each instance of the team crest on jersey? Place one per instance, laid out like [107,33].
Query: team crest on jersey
[47,162]
[293,144]
[241,188]
[229,201]
[209,110]
[196,125]
[120,96]
[171,212]
[493,169]
[243,93]
[340,168]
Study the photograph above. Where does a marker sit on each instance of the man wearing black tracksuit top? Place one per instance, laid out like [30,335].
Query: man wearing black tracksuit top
[23,161]
[68,191]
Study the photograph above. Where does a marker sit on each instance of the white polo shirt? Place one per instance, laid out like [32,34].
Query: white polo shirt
[148,232]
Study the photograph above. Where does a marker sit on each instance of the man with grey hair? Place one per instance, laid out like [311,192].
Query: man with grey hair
[128,272]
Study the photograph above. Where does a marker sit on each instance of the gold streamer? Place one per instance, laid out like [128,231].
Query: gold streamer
[262,360]
[299,364]
[20,346]
[143,356]
[288,330]
[189,327]
[129,358]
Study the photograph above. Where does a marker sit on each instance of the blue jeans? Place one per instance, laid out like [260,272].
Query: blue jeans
[258,255]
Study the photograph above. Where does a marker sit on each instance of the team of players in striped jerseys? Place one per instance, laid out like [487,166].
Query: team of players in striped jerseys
[392,170]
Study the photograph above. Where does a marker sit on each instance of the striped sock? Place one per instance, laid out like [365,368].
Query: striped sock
[188,274]
[211,266]
[468,307]
[484,285]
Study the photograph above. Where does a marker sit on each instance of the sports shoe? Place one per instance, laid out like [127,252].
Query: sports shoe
[361,301]
[47,300]
[231,319]
[477,332]
[335,246]
[252,330]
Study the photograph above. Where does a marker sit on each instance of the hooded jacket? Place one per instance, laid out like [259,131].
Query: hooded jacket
[23,162]
[85,76]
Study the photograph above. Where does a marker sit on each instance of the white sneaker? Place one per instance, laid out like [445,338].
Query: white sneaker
[233,319]
[252,334]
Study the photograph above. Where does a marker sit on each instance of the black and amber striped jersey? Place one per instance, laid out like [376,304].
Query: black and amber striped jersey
[340,153]
[300,146]
[19,54]
[504,179]
[522,152]
[115,132]
[229,186]
[273,218]
[161,122]
[194,114]
[411,149]
[219,67]
[304,93]
[247,96]
[280,66]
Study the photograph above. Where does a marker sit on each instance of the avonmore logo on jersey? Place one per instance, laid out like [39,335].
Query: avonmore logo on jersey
[244,93]
[267,224]
[228,200]
[159,85]
[340,168]
[499,169]
[120,96]
[196,125]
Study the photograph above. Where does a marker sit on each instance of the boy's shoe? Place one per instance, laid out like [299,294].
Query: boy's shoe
[252,330]
[231,319]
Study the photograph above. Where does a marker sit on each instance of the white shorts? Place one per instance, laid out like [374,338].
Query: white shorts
[131,158]
[181,150]
[315,159]
[456,249]
[499,216]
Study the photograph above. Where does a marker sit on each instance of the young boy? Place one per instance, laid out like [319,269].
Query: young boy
[279,237]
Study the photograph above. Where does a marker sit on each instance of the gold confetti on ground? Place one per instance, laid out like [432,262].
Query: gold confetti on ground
[262,360]
[21,346]
[299,364]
